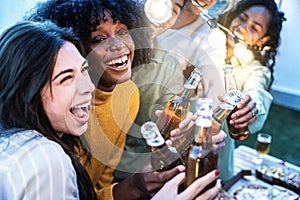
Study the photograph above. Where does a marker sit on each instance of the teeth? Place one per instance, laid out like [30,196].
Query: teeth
[82,106]
[80,111]
[119,60]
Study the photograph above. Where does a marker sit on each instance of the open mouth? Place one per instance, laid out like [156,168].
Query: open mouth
[81,111]
[119,63]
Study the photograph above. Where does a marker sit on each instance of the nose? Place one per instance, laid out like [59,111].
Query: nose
[85,85]
[242,28]
[116,44]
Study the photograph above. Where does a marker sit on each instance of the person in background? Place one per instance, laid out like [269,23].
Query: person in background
[188,39]
[45,93]
[105,30]
[258,25]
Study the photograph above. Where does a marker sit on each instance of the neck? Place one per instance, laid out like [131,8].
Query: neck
[229,53]
[106,88]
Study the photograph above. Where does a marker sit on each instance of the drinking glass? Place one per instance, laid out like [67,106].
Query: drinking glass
[262,146]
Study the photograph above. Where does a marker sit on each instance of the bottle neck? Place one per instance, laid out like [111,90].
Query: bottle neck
[202,135]
[190,85]
[230,82]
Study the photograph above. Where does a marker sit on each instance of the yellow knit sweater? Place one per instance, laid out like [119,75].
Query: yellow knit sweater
[112,115]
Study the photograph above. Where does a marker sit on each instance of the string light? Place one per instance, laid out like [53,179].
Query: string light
[216,37]
[158,11]
[240,50]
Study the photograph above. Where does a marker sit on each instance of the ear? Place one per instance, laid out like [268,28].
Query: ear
[262,41]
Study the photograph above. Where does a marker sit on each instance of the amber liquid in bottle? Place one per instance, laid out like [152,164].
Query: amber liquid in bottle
[173,113]
[178,106]
[199,163]
[202,157]
[237,133]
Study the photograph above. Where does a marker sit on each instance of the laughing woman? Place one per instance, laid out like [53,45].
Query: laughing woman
[44,84]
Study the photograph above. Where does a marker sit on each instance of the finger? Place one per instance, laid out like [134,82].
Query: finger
[220,98]
[246,119]
[219,146]
[219,138]
[158,112]
[198,185]
[169,190]
[177,180]
[211,193]
[244,101]
[185,122]
[164,176]
[169,143]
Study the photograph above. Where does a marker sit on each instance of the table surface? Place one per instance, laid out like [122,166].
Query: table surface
[243,156]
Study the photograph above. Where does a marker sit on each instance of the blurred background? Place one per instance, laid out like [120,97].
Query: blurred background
[283,122]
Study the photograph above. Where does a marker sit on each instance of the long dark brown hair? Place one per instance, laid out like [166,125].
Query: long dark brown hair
[28,53]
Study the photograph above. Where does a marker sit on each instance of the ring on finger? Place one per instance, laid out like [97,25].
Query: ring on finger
[252,113]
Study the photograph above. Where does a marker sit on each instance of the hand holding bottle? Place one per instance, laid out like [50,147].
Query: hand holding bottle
[246,113]
[169,190]
[147,183]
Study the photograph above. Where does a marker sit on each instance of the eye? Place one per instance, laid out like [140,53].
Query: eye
[98,39]
[85,69]
[66,78]
[242,18]
[123,33]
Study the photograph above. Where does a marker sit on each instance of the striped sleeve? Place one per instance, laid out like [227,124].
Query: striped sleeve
[39,169]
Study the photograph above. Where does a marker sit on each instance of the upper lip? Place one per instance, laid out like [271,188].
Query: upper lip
[122,58]
[86,103]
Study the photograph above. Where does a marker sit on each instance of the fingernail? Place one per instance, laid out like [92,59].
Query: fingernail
[217,172]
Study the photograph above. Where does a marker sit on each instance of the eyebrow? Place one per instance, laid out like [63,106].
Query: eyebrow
[255,22]
[68,70]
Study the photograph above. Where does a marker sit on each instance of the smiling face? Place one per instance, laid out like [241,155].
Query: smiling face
[251,26]
[67,101]
[112,54]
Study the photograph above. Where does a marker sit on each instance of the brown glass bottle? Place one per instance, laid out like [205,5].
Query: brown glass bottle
[202,157]
[231,86]
[163,157]
[177,107]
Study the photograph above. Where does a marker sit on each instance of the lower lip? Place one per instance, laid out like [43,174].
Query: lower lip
[82,120]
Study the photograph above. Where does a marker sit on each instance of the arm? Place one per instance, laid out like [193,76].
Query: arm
[253,80]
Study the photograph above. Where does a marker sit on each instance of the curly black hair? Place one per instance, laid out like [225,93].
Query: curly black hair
[83,16]
[265,56]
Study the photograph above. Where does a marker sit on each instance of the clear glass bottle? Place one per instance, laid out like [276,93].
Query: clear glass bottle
[202,157]
[231,87]
[177,107]
[229,105]
[163,157]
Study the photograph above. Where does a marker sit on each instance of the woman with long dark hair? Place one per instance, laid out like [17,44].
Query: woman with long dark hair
[257,25]
[45,91]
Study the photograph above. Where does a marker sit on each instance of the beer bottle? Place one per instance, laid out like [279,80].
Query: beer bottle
[177,107]
[163,157]
[229,105]
[231,87]
[202,157]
